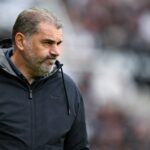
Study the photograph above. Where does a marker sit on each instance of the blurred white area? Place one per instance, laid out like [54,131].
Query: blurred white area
[144,26]
[112,82]
[9,10]
[112,77]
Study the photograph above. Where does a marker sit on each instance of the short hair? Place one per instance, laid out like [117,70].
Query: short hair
[28,20]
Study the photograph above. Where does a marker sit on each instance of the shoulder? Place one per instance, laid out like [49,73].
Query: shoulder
[72,88]
[70,83]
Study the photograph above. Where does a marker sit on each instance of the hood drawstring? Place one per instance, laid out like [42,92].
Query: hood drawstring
[64,85]
[65,89]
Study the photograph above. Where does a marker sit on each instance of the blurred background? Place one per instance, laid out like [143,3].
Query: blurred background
[107,53]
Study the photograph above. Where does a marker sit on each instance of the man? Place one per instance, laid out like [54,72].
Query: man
[40,106]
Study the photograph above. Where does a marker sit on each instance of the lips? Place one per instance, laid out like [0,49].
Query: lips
[50,61]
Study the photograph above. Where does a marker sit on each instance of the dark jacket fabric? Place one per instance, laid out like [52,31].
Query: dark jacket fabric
[46,115]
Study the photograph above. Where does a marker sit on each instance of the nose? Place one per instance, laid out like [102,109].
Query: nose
[55,50]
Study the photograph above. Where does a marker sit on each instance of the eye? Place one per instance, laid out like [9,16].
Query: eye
[58,43]
[47,42]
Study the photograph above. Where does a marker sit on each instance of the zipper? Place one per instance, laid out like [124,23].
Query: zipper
[30,94]
[32,117]
[32,108]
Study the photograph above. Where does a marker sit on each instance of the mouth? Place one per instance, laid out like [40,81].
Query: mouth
[50,61]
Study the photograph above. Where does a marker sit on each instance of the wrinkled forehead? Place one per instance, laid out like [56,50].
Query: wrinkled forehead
[48,30]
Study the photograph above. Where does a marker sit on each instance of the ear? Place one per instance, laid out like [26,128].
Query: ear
[20,39]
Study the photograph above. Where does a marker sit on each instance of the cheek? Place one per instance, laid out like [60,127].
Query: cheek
[42,55]
[38,51]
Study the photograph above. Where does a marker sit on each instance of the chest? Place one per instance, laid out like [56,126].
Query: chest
[33,112]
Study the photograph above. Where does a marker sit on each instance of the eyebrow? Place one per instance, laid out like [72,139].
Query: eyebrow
[51,41]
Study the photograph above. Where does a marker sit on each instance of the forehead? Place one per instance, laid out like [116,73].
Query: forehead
[48,30]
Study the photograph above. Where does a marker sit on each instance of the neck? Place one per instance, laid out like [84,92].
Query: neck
[20,64]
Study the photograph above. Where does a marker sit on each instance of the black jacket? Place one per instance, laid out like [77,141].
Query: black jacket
[47,115]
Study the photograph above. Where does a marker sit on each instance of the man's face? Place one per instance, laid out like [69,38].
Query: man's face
[42,49]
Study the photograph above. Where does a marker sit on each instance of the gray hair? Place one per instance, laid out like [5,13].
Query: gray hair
[28,20]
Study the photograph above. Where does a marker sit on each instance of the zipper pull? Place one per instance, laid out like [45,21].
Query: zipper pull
[30,94]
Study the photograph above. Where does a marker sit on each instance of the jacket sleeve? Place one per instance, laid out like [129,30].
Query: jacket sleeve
[76,138]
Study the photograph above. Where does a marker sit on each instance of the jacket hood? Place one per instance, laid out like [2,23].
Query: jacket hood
[5,45]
